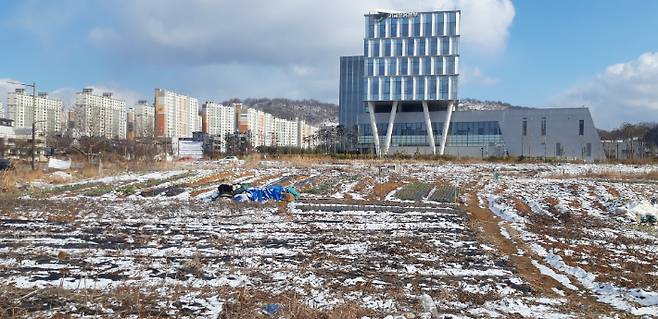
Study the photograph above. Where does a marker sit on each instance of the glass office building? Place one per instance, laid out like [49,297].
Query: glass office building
[351,94]
[410,76]
[412,56]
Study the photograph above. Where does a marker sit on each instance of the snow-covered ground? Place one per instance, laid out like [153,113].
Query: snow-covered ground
[554,242]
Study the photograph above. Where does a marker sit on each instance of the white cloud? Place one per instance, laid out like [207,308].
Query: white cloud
[624,92]
[473,75]
[297,40]
[274,32]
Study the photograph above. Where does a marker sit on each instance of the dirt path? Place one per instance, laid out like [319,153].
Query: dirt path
[487,226]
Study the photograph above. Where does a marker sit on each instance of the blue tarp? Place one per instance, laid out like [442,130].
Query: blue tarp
[262,194]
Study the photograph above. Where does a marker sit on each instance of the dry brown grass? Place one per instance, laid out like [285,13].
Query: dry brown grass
[380,191]
[7,181]
[305,160]
[522,207]
[651,175]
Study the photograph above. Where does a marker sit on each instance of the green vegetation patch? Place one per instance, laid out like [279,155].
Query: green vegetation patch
[414,191]
[445,194]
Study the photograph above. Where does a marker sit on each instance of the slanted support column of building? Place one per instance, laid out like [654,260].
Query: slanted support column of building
[428,125]
[389,129]
[373,124]
[446,127]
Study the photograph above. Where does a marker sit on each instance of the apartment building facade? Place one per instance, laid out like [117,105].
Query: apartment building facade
[268,130]
[144,119]
[100,115]
[25,110]
[176,115]
[218,120]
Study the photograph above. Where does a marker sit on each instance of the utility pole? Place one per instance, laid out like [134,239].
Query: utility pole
[34,116]
[34,120]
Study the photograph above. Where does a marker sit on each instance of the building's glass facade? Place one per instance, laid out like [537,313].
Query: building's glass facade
[412,56]
[351,93]
[415,134]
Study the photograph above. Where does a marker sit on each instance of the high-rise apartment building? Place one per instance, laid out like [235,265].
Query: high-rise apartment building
[268,130]
[176,115]
[218,120]
[144,119]
[100,115]
[24,110]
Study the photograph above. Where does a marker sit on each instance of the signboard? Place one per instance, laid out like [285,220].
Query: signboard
[189,148]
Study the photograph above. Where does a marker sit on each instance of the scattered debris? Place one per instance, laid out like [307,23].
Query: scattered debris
[271,309]
[59,164]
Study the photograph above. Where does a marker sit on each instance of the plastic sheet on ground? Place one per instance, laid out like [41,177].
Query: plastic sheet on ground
[262,194]
[59,164]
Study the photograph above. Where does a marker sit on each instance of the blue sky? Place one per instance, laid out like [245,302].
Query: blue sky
[533,53]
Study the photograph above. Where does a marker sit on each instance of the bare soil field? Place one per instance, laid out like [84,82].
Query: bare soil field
[366,240]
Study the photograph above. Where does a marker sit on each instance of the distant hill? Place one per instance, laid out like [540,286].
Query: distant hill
[317,113]
[477,105]
[314,112]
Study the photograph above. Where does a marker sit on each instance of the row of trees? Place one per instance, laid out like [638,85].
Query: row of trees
[646,132]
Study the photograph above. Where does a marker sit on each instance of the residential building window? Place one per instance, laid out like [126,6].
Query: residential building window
[581,127]
[543,126]
[588,149]
[524,127]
